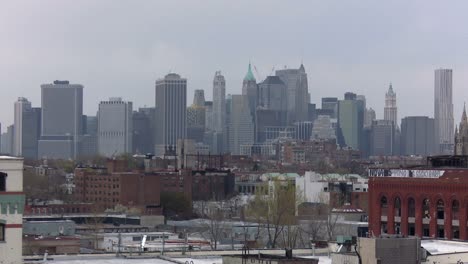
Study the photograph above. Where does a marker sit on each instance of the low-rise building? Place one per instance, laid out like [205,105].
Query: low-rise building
[11,209]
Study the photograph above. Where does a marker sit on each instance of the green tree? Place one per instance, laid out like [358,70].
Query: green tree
[274,207]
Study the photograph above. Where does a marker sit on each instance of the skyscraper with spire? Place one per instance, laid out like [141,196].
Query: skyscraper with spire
[250,89]
[390,110]
[461,135]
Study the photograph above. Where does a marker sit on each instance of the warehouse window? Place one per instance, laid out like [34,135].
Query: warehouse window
[2,182]
[2,232]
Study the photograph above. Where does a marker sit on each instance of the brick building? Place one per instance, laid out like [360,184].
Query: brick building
[425,202]
[212,184]
[117,184]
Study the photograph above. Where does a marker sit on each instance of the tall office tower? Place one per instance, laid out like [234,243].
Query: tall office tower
[89,140]
[143,130]
[31,125]
[21,106]
[219,102]
[382,138]
[443,110]
[369,116]
[312,112]
[323,128]
[390,110]
[199,98]
[196,117]
[273,95]
[171,104]
[350,121]
[297,93]
[115,127]
[209,116]
[418,136]
[61,122]
[241,126]
[250,89]
[330,104]
[7,140]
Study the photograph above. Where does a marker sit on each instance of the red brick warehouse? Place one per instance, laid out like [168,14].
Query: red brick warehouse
[423,202]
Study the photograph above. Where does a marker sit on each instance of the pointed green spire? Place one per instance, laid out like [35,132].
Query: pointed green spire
[249,76]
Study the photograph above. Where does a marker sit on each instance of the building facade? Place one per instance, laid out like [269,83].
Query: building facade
[171,104]
[250,89]
[21,106]
[297,93]
[115,127]
[418,136]
[350,121]
[423,202]
[61,122]
[241,125]
[11,209]
[382,139]
[443,110]
[26,135]
[219,102]
[143,130]
[461,136]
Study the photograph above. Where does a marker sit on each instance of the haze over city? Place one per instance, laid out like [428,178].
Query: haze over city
[118,48]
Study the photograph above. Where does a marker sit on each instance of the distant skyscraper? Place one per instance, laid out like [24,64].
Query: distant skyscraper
[369,116]
[199,98]
[61,128]
[323,128]
[171,104]
[209,126]
[273,96]
[297,93]
[390,111]
[250,89]
[21,106]
[417,136]
[7,141]
[144,130]
[330,103]
[89,142]
[351,121]
[382,138]
[443,110]
[115,127]
[241,126]
[219,102]
[196,114]
[461,135]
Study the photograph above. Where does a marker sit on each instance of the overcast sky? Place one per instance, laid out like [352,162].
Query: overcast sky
[119,48]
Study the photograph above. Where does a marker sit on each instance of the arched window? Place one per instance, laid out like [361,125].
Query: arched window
[411,207]
[426,208]
[455,209]
[383,205]
[440,209]
[397,206]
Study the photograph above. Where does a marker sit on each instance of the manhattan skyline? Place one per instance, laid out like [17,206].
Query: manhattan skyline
[118,49]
